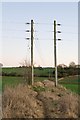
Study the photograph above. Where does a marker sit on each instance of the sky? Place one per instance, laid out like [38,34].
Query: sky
[15,48]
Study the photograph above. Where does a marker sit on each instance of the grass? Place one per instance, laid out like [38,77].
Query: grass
[10,81]
[39,88]
[23,102]
[73,87]
[68,82]
[0,83]
[20,71]
[71,83]
[36,79]
[72,79]
[13,81]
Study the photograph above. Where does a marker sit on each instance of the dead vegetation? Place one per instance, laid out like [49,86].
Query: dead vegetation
[0,106]
[45,101]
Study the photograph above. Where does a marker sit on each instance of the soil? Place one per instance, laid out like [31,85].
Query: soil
[0,106]
[42,100]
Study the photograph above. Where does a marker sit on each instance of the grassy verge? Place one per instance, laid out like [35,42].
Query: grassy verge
[39,88]
[36,79]
[72,83]
[11,81]
[73,87]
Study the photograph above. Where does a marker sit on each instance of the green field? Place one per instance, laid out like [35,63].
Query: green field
[43,72]
[13,81]
[71,83]
[73,87]
[10,81]
[72,79]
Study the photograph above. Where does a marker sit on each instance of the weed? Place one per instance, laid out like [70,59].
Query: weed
[39,88]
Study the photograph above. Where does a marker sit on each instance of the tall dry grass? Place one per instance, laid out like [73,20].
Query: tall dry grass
[24,102]
[68,105]
[21,103]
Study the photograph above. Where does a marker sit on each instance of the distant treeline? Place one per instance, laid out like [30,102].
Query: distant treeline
[40,72]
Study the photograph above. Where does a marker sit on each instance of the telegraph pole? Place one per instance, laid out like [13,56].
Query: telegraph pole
[55,56]
[32,71]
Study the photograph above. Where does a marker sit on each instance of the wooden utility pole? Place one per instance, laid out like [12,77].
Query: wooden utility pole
[55,57]
[32,71]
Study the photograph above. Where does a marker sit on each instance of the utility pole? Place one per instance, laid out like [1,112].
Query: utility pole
[55,56]
[32,71]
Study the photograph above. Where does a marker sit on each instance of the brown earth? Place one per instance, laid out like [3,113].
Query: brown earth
[42,100]
[0,106]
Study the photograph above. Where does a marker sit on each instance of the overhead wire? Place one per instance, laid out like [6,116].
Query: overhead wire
[38,51]
[28,43]
[43,23]
[12,30]
[39,39]
[39,54]
[13,22]
[28,51]
[12,37]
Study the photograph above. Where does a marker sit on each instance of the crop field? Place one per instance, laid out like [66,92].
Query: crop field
[14,81]
[71,83]
[20,71]
[71,79]
[73,87]
[10,81]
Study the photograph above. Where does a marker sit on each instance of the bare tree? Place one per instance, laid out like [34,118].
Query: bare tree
[1,65]
[26,71]
[72,64]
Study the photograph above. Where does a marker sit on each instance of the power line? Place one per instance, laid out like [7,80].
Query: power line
[43,23]
[14,22]
[12,30]
[39,53]
[68,25]
[69,33]
[38,39]
[12,37]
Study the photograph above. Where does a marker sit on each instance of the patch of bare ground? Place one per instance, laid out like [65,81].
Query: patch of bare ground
[45,101]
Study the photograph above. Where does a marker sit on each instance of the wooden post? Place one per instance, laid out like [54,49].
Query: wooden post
[55,58]
[32,71]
